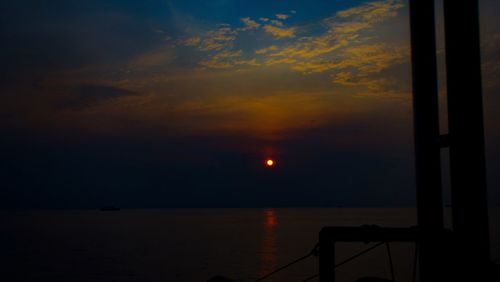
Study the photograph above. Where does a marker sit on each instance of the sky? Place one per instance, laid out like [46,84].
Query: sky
[178,103]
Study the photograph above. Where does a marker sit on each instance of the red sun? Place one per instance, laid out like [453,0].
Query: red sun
[270,162]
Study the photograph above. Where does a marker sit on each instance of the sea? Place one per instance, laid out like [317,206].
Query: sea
[153,245]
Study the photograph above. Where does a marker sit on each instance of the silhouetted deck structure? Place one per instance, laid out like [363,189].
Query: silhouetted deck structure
[466,248]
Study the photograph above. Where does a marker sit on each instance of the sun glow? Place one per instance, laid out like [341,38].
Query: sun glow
[270,162]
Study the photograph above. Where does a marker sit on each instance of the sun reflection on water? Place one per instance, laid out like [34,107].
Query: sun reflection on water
[269,250]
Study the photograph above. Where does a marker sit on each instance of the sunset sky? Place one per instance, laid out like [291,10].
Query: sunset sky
[179,103]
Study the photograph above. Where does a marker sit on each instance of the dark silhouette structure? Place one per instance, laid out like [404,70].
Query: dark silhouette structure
[427,137]
[463,252]
[466,133]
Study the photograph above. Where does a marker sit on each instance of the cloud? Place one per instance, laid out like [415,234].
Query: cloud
[315,66]
[267,49]
[347,78]
[343,29]
[273,61]
[277,23]
[282,16]
[367,59]
[309,47]
[192,41]
[347,49]
[373,12]
[227,54]
[222,59]
[153,58]
[83,96]
[280,32]
[218,39]
[351,27]
[363,17]
[213,64]
[227,59]
[347,45]
[250,62]
[249,23]
[374,58]
[267,116]
[218,44]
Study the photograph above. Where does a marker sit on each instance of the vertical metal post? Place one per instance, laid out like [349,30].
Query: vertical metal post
[426,126]
[326,257]
[466,133]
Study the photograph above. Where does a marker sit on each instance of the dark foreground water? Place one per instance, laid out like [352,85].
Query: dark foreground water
[189,244]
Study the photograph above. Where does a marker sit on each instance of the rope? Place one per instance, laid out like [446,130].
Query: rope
[313,252]
[359,254]
[347,260]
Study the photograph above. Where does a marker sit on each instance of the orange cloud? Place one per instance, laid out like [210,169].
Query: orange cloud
[193,41]
[366,59]
[280,32]
[227,54]
[227,59]
[346,47]
[354,80]
[282,16]
[218,39]
[267,49]
[373,11]
[343,44]
[273,61]
[250,24]
[268,116]
[312,47]
[277,23]
[221,60]
[315,66]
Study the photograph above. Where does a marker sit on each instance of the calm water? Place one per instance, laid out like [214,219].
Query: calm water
[188,244]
